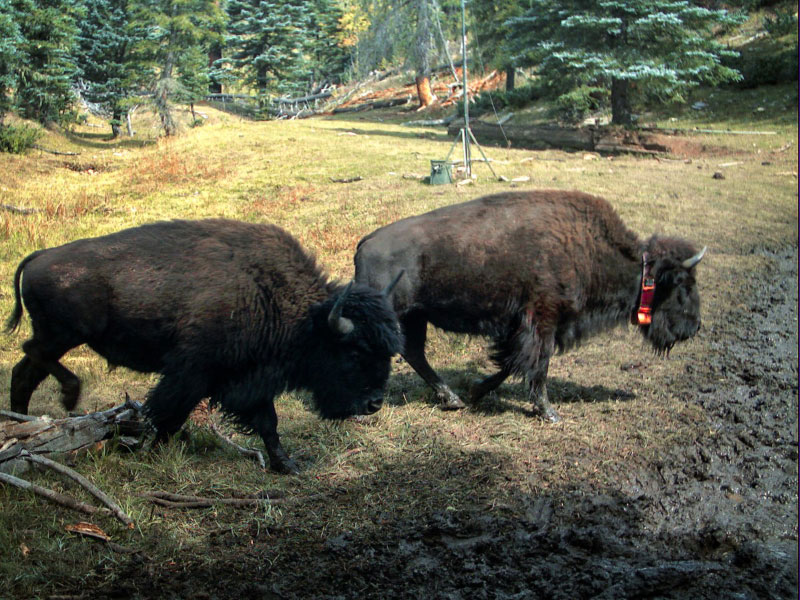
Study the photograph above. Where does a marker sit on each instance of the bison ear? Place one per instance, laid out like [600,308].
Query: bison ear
[339,324]
[390,288]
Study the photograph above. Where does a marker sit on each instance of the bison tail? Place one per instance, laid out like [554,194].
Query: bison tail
[16,315]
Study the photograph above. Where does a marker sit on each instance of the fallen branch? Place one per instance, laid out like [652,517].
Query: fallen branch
[56,151]
[348,180]
[53,496]
[170,500]
[15,416]
[19,210]
[728,132]
[255,454]
[82,481]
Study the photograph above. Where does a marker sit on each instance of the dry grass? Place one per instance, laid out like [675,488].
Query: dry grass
[619,410]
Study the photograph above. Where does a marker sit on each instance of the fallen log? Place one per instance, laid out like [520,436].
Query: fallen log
[24,440]
[44,435]
[303,99]
[529,136]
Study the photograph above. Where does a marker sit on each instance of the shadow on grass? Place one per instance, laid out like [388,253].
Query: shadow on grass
[511,396]
[410,134]
[447,525]
[101,141]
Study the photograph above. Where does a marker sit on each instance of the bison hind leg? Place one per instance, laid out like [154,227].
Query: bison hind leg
[44,356]
[488,384]
[526,350]
[25,378]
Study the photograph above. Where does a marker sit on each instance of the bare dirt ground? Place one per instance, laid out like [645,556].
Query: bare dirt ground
[714,519]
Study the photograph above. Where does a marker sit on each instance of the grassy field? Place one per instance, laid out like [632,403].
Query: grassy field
[410,458]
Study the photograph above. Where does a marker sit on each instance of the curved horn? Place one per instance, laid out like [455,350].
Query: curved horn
[336,321]
[691,262]
[389,288]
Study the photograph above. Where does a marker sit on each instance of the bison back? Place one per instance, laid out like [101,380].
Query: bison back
[140,297]
[468,264]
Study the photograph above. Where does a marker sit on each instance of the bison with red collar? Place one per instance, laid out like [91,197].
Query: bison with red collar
[537,272]
[233,311]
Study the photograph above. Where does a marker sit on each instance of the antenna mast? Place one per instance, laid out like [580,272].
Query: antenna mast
[465,91]
[466,133]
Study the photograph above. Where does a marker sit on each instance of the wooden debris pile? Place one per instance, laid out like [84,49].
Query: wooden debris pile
[24,441]
[447,90]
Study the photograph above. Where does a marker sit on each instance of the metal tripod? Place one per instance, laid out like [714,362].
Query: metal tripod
[465,133]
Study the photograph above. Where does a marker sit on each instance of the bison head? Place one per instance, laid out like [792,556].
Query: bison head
[676,302]
[355,335]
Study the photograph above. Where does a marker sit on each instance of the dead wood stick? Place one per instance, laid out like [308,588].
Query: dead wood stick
[82,481]
[263,495]
[255,454]
[53,496]
[729,132]
[348,179]
[19,210]
[15,416]
[56,151]
[170,500]
[209,502]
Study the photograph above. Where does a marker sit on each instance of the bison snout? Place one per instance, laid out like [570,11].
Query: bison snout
[374,405]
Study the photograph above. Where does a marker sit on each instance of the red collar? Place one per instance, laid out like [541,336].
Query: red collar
[644,315]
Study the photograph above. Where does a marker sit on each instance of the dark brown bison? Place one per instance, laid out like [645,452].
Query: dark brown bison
[232,311]
[534,271]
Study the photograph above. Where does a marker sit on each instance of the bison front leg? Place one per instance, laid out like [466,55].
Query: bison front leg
[266,425]
[538,392]
[415,328]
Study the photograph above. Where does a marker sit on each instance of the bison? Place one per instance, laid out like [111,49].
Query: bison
[536,272]
[226,310]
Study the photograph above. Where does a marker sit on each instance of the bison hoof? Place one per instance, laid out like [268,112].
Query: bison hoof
[449,401]
[285,465]
[549,414]
[70,392]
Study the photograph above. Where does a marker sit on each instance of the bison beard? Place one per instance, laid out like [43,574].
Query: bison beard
[537,272]
[233,311]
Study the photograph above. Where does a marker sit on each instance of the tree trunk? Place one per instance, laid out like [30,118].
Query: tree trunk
[116,122]
[424,91]
[214,54]
[510,71]
[620,102]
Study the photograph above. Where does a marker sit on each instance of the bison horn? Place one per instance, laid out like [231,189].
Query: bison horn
[691,262]
[389,288]
[336,321]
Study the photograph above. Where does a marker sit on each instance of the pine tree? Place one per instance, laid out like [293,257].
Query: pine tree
[328,56]
[404,31]
[46,68]
[662,46]
[267,41]
[105,56]
[492,33]
[193,77]
[172,27]
[9,57]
